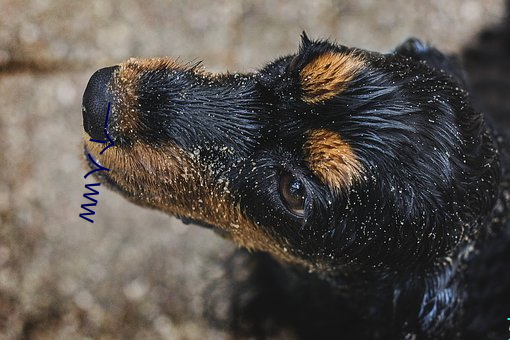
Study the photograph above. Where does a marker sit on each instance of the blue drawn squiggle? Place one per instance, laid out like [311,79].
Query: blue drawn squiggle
[87,196]
[99,168]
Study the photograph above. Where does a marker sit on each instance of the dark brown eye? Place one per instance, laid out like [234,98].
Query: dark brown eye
[292,193]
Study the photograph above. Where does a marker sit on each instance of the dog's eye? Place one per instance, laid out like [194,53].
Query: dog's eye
[292,193]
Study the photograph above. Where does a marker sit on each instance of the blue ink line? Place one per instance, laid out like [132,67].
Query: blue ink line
[109,139]
[99,166]
[111,143]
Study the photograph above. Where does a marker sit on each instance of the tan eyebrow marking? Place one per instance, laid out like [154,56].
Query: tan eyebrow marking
[331,159]
[328,75]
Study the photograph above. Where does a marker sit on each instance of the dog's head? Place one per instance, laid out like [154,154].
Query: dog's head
[329,158]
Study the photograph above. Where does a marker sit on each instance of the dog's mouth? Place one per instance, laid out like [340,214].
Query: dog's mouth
[86,153]
[89,160]
[101,175]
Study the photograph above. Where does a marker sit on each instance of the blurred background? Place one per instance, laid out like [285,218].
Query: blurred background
[136,273]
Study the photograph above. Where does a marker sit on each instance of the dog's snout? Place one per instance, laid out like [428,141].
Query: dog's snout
[95,102]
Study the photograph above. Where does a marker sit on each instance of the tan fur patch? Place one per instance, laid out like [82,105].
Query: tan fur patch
[331,159]
[123,86]
[327,75]
[176,182]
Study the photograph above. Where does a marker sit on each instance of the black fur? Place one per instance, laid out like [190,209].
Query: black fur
[432,188]
[419,248]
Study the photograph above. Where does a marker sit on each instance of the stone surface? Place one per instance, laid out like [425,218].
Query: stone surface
[136,273]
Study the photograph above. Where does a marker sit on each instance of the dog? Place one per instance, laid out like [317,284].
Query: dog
[370,189]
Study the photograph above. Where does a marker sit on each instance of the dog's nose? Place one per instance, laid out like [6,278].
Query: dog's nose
[95,103]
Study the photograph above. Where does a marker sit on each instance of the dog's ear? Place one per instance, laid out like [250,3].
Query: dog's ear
[417,50]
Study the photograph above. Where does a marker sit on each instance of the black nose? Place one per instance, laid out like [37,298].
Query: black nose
[95,103]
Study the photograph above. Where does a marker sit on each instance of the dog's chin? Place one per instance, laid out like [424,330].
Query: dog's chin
[186,220]
[219,231]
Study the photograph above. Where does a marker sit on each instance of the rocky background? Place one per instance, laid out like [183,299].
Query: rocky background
[135,273]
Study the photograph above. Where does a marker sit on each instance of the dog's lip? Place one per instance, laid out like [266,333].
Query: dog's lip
[102,175]
[86,153]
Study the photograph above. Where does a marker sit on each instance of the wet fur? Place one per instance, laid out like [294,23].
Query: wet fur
[416,246]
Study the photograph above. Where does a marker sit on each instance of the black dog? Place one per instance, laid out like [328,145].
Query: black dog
[372,179]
